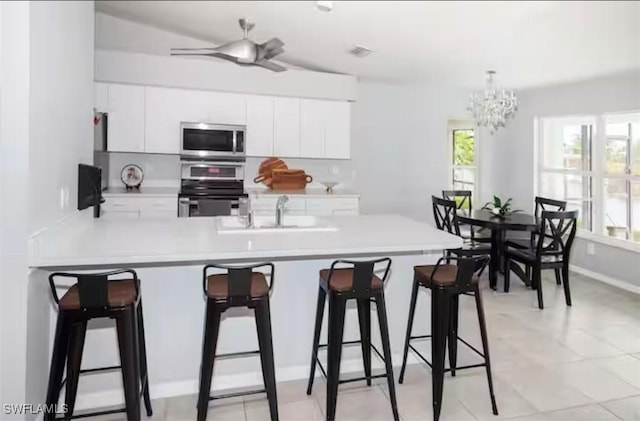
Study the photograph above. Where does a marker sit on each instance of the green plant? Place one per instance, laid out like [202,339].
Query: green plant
[498,208]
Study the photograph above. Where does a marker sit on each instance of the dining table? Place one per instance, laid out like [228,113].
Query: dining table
[499,227]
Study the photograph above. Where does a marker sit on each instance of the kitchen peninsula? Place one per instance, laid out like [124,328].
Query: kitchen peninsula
[168,255]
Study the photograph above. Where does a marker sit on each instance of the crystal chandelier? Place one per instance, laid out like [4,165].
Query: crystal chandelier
[494,106]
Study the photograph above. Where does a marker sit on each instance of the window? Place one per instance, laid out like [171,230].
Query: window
[594,164]
[464,167]
[565,171]
[621,177]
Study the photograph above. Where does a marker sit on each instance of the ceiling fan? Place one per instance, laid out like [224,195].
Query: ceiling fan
[243,52]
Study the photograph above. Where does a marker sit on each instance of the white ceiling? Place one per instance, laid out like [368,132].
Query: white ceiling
[528,43]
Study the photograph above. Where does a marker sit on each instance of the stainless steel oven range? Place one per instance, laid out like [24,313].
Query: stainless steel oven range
[211,188]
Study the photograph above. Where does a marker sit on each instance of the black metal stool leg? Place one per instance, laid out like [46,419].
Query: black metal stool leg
[74,361]
[439,325]
[364,317]
[263,324]
[386,348]
[337,306]
[60,347]
[210,341]
[407,339]
[485,345]
[127,341]
[322,297]
[144,371]
[453,333]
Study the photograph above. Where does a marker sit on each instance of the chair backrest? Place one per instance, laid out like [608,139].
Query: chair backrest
[93,288]
[363,272]
[238,280]
[544,204]
[444,213]
[461,197]
[557,231]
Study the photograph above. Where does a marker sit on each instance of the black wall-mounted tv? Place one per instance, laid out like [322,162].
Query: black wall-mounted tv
[89,186]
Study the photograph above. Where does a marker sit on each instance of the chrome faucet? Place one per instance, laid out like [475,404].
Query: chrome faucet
[282,201]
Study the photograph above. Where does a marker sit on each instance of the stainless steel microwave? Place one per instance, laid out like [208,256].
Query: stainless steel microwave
[206,140]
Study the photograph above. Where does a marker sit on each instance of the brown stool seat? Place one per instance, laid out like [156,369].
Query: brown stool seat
[121,293]
[342,280]
[218,286]
[445,275]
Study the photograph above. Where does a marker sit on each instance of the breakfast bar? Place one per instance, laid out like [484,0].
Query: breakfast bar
[168,256]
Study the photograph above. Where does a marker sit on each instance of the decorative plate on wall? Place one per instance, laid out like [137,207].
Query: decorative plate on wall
[132,176]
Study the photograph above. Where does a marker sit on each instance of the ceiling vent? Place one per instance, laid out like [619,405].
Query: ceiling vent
[360,52]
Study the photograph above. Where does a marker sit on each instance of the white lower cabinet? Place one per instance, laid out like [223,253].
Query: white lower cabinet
[139,207]
[319,206]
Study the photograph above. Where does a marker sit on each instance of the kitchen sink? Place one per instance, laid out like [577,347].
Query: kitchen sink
[267,224]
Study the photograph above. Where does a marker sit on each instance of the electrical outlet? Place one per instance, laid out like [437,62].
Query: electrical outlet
[591,249]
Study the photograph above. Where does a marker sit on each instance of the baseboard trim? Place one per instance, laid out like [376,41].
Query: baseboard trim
[115,397]
[606,279]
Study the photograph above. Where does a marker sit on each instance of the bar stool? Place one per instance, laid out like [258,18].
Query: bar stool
[356,282]
[239,287]
[447,283]
[93,296]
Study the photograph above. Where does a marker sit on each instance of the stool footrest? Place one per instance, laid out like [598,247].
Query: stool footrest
[236,394]
[238,354]
[92,371]
[91,414]
[447,369]
[356,342]
[377,376]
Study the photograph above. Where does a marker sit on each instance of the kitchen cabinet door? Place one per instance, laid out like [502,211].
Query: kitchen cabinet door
[286,132]
[337,141]
[312,128]
[259,133]
[163,108]
[225,108]
[100,96]
[126,118]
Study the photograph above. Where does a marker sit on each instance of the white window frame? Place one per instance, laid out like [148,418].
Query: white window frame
[475,168]
[597,174]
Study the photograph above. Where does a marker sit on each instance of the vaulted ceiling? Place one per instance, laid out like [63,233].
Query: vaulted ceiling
[528,43]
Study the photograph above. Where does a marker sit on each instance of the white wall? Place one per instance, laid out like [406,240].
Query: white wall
[399,145]
[14,199]
[515,173]
[46,130]
[61,106]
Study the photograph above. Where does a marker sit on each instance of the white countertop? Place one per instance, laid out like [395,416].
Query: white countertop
[142,192]
[99,242]
[310,192]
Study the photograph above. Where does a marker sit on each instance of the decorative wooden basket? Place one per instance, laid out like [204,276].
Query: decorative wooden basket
[265,171]
[286,179]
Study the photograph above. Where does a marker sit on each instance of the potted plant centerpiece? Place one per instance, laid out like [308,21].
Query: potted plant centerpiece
[499,208]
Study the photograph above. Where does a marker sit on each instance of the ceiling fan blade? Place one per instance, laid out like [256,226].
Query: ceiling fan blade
[272,44]
[269,54]
[194,49]
[194,54]
[270,66]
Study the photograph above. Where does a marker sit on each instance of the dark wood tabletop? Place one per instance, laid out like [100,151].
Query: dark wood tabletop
[484,218]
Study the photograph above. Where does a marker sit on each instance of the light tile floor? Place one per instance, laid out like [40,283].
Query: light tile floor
[580,363]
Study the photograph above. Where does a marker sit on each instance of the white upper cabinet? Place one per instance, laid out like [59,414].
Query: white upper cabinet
[312,128]
[259,126]
[226,108]
[286,127]
[101,96]
[162,120]
[126,118]
[337,141]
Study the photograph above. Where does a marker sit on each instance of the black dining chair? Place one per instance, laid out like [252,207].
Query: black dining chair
[464,201]
[444,213]
[526,240]
[552,251]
